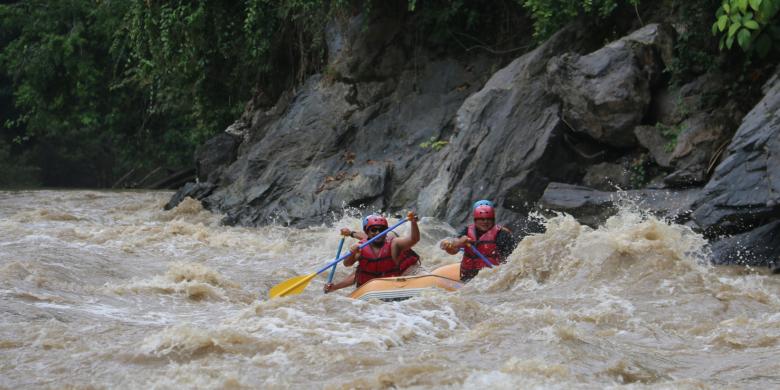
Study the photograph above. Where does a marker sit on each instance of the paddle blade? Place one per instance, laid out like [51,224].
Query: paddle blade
[292,286]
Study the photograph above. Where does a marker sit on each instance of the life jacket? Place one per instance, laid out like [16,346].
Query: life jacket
[486,245]
[382,265]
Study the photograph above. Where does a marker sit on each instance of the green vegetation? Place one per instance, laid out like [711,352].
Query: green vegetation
[752,24]
[550,15]
[670,133]
[434,144]
[466,25]
[638,171]
[695,52]
[95,89]
[55,55]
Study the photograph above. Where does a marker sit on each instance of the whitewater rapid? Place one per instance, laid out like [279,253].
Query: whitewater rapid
[107,290]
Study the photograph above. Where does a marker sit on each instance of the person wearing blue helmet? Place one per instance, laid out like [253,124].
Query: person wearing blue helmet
[493,241]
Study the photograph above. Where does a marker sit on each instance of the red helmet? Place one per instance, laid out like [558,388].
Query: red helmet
[484,211]
[374,220]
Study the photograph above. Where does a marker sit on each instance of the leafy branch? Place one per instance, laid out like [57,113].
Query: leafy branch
[752,24]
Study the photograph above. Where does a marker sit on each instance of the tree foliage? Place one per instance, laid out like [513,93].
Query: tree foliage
[495,26]
[102,87]
[551,15]
[695,50]
[56,57]
[752,24]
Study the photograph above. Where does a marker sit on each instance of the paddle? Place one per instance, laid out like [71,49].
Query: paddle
[296,285]
[481,256]
[338,253]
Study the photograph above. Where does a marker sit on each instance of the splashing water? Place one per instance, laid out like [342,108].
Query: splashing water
[105,289]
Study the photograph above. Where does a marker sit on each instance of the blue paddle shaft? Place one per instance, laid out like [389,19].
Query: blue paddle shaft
[481,256]
[363,245]
[338,253]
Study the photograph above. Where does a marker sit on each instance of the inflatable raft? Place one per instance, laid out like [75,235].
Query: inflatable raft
[404,287]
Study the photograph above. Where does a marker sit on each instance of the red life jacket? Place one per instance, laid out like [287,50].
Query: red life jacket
[486,244]
[382,265]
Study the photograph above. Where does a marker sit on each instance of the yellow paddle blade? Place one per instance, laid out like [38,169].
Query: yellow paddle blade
[292,286]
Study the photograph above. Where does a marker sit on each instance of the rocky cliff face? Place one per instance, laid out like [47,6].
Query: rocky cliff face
[560,126]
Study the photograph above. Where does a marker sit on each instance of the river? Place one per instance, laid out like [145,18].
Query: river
[108,290]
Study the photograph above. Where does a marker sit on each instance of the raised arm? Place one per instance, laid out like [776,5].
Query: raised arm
[406,242]
[346,232]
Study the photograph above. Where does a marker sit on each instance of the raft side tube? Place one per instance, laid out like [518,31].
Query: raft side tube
[405,287]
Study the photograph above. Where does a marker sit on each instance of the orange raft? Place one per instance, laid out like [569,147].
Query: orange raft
[405,287]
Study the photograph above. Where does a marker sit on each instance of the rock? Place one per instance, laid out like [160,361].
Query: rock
[607,177]
[590,207]
[507,144]
[607,92]
[758,247]
[659,146]
[700,143]
[193,190]
[671,107]
[352,136]
[359,53]
[213,156]
[350,140]
[745,188]
[593,207]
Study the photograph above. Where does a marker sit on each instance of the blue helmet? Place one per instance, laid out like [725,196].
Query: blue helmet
[483,202]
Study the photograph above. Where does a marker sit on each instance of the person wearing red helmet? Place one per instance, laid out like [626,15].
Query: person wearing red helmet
[386,257]
[493,241]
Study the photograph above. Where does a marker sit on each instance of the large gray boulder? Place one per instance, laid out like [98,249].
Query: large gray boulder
[593,207]
[606,93]
[758,247]
[698,146]
[607,176]
[653,139]
[673,105]
[744,190]
[507,143]
[215,155]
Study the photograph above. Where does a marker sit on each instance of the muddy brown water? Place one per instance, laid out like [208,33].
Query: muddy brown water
[107,290]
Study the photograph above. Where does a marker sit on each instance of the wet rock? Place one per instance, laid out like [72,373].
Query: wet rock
[672,106]
[350,136]
[745,188]
[593,207]
[653,139]
[607,177]
[607,92]
[702,139]
[508,143]
[213,156]
[758,247]
[590,207]
[194,190]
